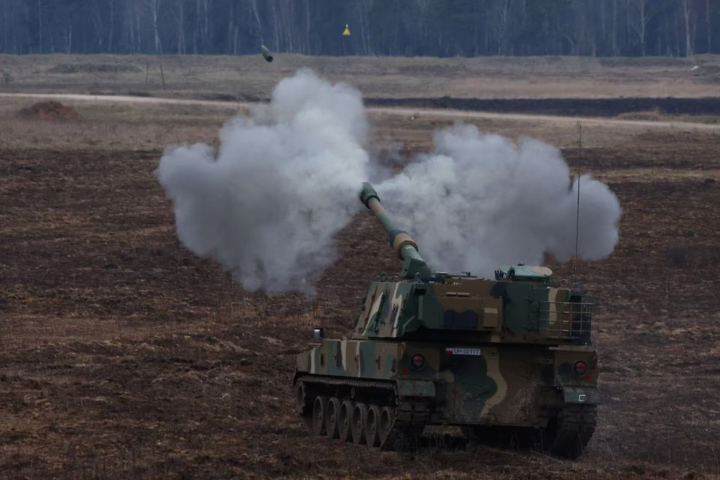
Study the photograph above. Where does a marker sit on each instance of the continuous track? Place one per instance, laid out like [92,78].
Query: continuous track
[573,429]
[397,428]
[401,421]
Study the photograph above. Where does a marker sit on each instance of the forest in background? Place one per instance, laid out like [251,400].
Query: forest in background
[439,28]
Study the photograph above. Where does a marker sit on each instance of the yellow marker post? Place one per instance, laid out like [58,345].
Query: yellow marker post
[346,33]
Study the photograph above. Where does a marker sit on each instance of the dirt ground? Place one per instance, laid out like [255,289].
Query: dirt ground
[250,77]
[51,111]
[122,355]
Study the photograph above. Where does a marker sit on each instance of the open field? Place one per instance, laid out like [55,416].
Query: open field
[122,355]
[250,77]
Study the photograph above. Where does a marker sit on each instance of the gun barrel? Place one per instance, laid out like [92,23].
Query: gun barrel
[402,243]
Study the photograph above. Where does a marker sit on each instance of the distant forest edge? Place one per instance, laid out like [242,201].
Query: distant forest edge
[438,28]
[570,107]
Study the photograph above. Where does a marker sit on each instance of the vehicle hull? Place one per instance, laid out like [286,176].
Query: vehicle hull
[462,384]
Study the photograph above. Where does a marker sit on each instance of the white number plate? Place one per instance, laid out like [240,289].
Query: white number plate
[463,351]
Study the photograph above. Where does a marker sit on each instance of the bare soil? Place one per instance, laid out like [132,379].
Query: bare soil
[52,111]
[122,355]
[249,77]
[571,107]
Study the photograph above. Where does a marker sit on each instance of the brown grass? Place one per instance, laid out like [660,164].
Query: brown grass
[659,116]
[138,127]
[49,111]
[113,126]
[125,356]
[249,77]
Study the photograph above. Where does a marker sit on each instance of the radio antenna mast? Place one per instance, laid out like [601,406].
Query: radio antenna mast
[577,212]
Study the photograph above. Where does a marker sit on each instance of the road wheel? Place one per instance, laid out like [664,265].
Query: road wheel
[332,418]
[318,415]
[304,404]
[359,418]
[372,426]
[387,419]
[300,398]
[344,420]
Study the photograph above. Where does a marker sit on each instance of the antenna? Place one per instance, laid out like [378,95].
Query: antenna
[577,213]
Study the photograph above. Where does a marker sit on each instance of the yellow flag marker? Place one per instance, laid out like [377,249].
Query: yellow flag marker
[346,33]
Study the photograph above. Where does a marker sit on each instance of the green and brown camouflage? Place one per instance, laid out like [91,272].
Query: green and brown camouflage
[494,385]
[509,352]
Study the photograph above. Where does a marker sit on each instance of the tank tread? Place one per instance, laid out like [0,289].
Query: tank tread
[576,427]
[346,382]
[409,417]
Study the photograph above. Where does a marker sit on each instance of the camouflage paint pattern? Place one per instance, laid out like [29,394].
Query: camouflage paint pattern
[502,385]
[493,311]
[495,352]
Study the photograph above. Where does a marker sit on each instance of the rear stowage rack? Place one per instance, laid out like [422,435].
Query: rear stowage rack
[566,321]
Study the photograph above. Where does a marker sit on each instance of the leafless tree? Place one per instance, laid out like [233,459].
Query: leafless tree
[689,18]
[379,27]
[154,7]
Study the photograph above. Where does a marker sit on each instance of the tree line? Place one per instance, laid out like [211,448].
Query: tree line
[378,27]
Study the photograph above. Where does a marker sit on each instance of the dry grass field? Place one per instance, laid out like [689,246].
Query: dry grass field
[250,77]
[122,355]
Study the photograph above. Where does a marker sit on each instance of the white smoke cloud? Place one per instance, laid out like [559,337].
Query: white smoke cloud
[479,201]
[284,182]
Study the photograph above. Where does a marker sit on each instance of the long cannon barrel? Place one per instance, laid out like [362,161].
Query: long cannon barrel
[403,244]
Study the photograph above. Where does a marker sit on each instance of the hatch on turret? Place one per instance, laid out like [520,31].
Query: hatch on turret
[524,272]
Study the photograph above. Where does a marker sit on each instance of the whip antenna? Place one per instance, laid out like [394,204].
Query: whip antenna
[577,212]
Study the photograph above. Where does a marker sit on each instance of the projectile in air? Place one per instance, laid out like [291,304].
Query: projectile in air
[266,53]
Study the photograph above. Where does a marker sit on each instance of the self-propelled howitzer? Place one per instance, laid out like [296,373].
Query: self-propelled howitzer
[505,359]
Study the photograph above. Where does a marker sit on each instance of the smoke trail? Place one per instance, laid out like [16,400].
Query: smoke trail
[479,201]
[284,182]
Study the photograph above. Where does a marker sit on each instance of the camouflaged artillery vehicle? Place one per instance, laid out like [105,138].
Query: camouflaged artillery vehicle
[504,359]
